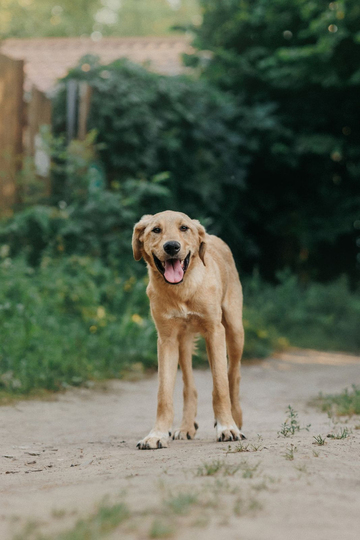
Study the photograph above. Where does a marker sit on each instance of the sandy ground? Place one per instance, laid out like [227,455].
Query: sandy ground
[59,459]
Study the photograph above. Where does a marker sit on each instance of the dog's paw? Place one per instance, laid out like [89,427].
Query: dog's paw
[186,433]
[228,432]
[155,440]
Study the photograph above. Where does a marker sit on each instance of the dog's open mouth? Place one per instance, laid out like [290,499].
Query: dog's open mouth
[173,270]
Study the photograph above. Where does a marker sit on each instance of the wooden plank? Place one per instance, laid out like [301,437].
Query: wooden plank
[39,114]
[11,129]
[84,108]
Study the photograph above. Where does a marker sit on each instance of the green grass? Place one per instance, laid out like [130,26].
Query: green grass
[179,508]
[291,424]
[70,321]
[181,503]
[222,468]
[96,527]
[211,468]
[73,319]
[245,447]
[347,403]
[161,528]
[322,316]
[290,452]
[319,440]
[344,433]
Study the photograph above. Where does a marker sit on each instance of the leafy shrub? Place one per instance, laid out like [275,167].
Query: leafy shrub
[70,320]
[148,124]
[319,316]
[301,58]
[73,319]
[89,219]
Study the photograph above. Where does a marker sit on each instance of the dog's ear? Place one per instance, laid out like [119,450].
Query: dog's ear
[202,243]
[137,244]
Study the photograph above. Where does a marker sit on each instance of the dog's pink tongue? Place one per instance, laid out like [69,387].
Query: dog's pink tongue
[173,271]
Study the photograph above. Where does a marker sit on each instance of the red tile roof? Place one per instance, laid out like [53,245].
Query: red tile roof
[48,59]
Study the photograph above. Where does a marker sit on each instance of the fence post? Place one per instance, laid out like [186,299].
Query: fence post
[84,108]
[11,129]
[38,115]
[71,99]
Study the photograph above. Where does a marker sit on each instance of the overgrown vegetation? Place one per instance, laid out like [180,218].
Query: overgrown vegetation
[70,320]
[298,63]
[149,124]
[347,403]
[321,316]
[236,148]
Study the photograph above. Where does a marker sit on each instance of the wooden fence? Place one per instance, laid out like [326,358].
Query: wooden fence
[20,124]
[11,128]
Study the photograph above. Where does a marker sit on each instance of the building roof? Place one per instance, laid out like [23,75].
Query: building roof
[49,59]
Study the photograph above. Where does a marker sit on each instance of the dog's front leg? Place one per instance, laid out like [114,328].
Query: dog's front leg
[168,358]
[226,428]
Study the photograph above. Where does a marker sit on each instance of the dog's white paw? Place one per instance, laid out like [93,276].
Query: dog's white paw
[155,440]
[186,433]
[228,432]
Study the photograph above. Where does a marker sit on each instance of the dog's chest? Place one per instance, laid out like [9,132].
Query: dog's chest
[183,312]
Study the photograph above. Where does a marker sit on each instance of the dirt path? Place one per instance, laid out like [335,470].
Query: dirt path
[59,459]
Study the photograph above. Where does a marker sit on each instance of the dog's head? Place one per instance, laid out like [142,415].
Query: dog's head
[169,242]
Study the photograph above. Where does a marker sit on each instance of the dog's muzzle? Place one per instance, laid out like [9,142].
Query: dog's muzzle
[173,270]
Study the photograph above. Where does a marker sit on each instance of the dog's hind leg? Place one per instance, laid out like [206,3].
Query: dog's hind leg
[188,426]
[232,321]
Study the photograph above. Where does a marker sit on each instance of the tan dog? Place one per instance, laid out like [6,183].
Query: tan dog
[194,288]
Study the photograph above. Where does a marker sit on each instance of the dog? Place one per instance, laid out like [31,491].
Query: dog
[194,288]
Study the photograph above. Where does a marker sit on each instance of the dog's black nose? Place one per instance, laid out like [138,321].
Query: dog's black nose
[172,247]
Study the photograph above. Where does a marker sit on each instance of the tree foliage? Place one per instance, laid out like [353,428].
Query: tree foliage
[59,18]
[303,58]
[177,126]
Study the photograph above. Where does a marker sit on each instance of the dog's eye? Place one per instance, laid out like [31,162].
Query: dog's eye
[156,230]
[184,228]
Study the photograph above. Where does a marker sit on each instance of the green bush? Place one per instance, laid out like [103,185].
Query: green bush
[68,321]
[73,319]
[302,58]
[88,219]
[148,124]
[319,316]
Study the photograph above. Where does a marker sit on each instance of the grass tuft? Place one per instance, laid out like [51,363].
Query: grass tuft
[347,403]
[319,440]
[160,529]
[246,447]
[218,466]
[181,503]
[291,424]
[97,526]
[343,434]
[289,454]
